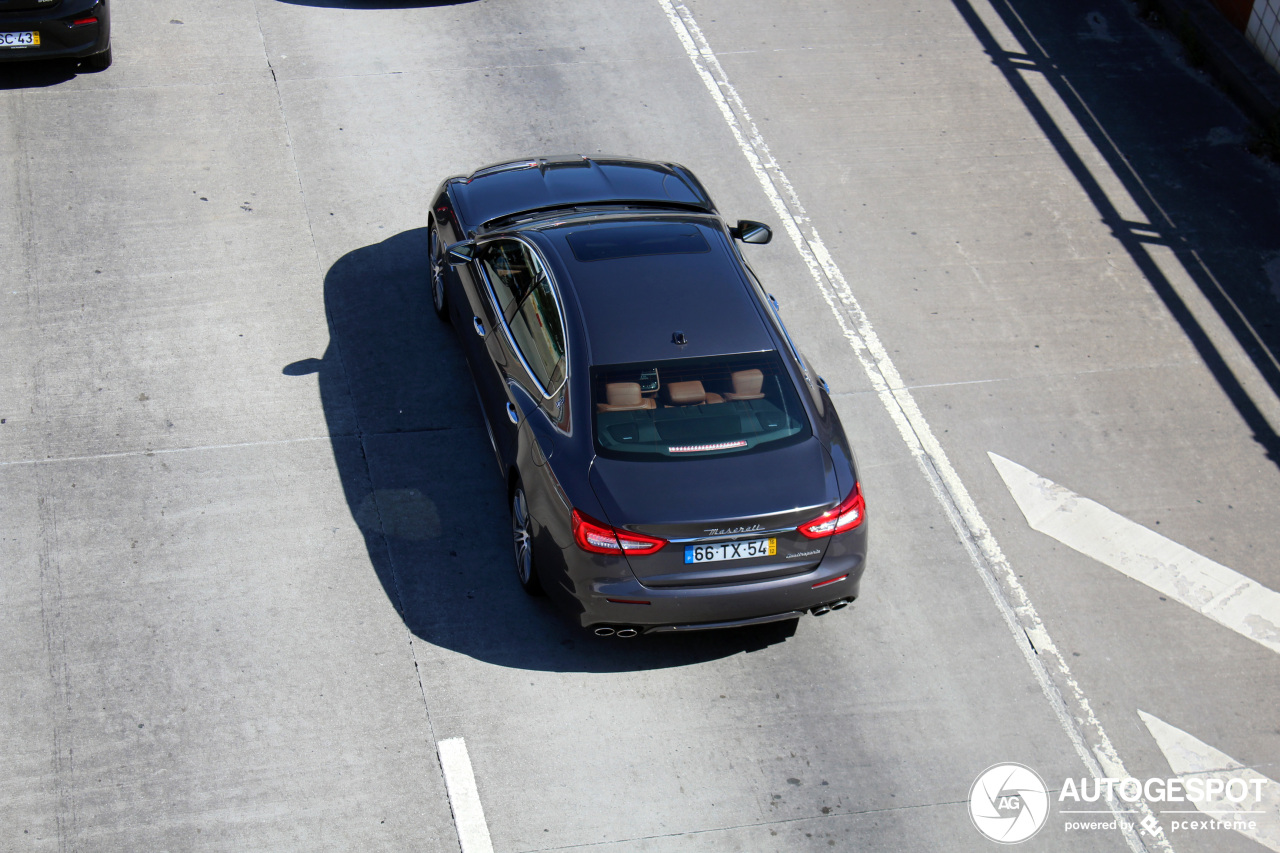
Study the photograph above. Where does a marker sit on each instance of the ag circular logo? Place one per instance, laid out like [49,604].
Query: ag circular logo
[1008,803]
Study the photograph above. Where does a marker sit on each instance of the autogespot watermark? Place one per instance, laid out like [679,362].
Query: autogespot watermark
[1009,803]
[1217,803]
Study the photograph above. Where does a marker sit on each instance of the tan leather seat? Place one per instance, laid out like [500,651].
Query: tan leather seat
[690,393]
[746,385]
[624,397]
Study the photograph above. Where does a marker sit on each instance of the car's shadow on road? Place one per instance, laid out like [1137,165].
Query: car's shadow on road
[37,74]
[423,486]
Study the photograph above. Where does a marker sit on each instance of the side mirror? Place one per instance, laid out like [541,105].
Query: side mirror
[460,253]
[751,232]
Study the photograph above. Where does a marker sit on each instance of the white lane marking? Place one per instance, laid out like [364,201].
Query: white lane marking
[1224,595]
[464,798]
[1078,721]
[1192,758]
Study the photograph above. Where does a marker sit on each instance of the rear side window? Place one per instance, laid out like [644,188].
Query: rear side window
[538,332]
[690,408]
[512,271]
[529,309]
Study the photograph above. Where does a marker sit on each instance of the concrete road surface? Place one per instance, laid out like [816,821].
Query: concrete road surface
[253,547]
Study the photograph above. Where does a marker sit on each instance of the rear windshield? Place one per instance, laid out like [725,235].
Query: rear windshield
[695,407]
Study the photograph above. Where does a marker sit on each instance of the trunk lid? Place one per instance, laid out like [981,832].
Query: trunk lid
[705,507]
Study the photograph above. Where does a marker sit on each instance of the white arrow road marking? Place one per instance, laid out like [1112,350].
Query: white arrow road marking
[464,798]
[1194,759]
[1224,595]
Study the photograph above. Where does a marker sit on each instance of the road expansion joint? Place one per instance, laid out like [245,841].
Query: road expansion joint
[359,434]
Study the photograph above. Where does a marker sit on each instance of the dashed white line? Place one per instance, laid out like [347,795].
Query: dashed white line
[1087,736]
[464,797]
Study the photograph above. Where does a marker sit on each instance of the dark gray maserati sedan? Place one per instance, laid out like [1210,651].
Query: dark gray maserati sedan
[672,460]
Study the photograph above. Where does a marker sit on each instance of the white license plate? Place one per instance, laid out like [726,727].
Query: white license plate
[730,550]
[19,39]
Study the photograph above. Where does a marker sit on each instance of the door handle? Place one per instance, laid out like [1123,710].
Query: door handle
[479,325]
[513,414]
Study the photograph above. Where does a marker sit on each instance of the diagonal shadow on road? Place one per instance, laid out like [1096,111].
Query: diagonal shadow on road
[1208,200]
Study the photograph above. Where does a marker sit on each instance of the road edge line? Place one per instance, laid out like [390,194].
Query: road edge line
[1020,615]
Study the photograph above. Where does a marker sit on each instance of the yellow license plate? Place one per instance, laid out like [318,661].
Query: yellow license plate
[718,551]
[19,39]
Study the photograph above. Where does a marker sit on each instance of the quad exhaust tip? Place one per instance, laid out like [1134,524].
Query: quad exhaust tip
[831,605]
[606,631]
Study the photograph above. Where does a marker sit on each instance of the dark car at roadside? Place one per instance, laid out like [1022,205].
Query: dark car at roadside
[56,29]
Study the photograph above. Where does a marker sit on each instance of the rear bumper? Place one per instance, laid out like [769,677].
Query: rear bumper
[59,35]
[723,606]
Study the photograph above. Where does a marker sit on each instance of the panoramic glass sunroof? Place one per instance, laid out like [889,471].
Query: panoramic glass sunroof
[633,241]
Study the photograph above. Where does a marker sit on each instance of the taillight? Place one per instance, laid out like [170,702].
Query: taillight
[848,515]
[80,22]
[599,538]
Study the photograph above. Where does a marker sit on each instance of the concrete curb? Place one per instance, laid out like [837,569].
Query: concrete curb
[1232,60]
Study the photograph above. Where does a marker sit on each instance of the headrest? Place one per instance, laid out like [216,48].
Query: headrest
[686,393]
[747,381]
[623,393]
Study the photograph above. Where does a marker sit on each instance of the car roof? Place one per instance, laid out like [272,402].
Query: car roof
[632,305]
[508,189]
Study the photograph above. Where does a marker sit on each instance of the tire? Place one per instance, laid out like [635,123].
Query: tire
[98,61]
[522,542]
[436,274]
